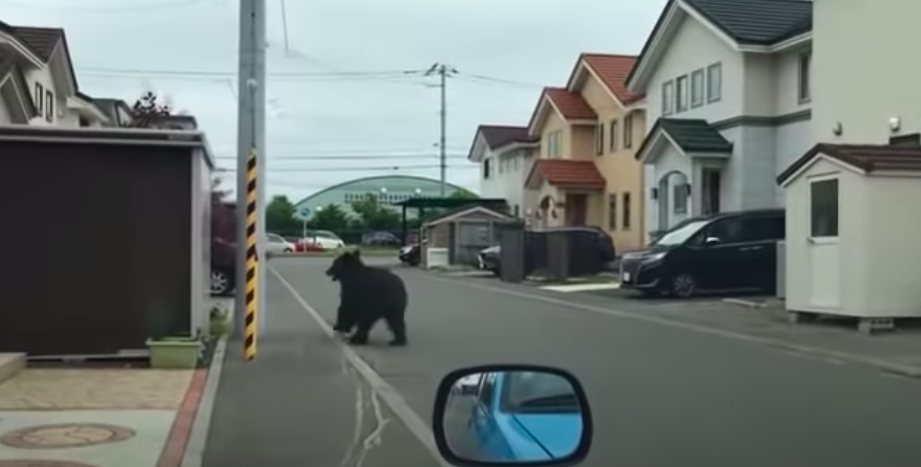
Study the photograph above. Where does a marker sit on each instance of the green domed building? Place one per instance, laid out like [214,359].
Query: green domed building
[390,189]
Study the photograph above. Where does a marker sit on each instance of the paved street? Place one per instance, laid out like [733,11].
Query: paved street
[661,395]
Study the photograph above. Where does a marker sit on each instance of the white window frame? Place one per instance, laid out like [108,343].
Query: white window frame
[825,239]
[628,131]
[668,98]
[804,78]
[612,138]
[714,75]
[681,94]
[698,88]
[599,139]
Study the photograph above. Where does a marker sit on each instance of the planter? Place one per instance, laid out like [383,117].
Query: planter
[174,352]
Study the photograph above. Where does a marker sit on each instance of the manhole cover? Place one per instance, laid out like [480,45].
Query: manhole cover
[68,435]
[40,463]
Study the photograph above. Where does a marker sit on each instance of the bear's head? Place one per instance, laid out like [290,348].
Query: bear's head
[344,264]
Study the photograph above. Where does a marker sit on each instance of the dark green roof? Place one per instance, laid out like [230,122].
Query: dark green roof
[694,135]
[757,22]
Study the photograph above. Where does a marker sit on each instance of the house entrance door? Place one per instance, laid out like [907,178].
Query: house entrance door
[710,195]
[576,209]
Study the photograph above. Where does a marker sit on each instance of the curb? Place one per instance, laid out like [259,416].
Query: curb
[745,303]
[198,435]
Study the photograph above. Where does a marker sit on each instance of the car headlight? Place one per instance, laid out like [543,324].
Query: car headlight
[654,257]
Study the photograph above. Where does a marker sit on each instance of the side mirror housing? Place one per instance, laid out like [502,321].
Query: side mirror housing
[712,241]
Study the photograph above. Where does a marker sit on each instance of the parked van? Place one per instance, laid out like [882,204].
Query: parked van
[726,251]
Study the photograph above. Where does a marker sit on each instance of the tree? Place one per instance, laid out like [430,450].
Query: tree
[374,215]
[330,217]
[463,194]
[147,112]
[223,218]
[279,215]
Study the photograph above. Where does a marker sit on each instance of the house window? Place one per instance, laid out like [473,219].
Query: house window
[697,88]
[599,139]
[628,131]
[612,211]
[681,94]
[517,211]
[625,212]
[668,97]
[515,162]
[714,82]
[680,195]
[501,164]
[486,168]
[49,106]
[823,203]
[612,139]
[805,93]
[39,98]
[555,144]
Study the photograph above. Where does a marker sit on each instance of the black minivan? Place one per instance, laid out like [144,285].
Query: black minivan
[733,250]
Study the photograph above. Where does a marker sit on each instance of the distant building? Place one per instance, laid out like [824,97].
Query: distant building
[390,189]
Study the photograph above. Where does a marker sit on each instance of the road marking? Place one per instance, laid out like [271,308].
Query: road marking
[569,288]
[391,397]
[904,370]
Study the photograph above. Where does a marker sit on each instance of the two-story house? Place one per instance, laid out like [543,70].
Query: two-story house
[728,87]
[600,80]
[37,81]
[505,154]
[570,188]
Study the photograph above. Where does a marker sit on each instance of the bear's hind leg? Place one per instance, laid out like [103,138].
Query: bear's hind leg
[361,335]
[397,325]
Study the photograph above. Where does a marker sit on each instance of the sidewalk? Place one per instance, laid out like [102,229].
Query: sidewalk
[300,403]
[97,417]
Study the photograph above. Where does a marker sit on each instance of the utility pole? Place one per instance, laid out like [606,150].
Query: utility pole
[443,71]
[251,141]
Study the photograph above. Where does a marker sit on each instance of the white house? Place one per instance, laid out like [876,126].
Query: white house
[505,155]
[37,81]
[729,105]
[865,78]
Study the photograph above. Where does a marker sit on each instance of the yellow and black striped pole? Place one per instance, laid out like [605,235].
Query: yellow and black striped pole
[252,262]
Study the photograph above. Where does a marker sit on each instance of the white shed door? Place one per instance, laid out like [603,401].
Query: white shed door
[824,253]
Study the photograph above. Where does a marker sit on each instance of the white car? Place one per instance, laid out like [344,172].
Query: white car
[326,240]
[276,244]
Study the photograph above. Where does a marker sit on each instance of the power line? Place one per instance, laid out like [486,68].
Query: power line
[393,168]
[352,157]
[158,5]
[231,74]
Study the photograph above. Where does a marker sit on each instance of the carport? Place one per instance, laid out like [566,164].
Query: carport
[106,240]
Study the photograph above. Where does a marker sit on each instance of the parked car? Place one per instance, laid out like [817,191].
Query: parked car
[325,239]
[523,416]
[380,239]
[410,254]
[726,251]
[489,259]
[223,267]
[276,244]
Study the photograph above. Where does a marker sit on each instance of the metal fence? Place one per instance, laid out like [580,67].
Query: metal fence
[360,237]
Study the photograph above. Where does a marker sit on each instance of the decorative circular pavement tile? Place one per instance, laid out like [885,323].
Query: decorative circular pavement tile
[40,463]
[66,435]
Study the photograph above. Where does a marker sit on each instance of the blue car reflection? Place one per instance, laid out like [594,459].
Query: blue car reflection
[521,416]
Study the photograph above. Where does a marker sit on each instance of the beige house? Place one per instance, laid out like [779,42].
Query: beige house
[586,173]
[600,80]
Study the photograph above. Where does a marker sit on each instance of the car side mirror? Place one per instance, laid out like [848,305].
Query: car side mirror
[547,403]
[712,241]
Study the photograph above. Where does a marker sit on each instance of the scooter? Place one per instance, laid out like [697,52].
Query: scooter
[512,414]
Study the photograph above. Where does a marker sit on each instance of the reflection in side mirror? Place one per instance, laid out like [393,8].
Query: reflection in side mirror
[512,414]
[712,240]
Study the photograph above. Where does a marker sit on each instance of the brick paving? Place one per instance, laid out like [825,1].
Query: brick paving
[68,389]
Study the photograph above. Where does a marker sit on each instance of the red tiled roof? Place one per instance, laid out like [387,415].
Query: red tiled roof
[570,104]
[613,71]
[568,172]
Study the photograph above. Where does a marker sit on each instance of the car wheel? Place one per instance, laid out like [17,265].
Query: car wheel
[221,282]
[683,285]
[288,250]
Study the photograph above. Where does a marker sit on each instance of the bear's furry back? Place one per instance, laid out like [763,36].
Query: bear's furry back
[369,290]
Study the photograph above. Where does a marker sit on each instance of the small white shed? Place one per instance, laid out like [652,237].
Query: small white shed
[853,216]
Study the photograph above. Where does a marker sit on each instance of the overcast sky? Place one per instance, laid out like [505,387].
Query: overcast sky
[504,51]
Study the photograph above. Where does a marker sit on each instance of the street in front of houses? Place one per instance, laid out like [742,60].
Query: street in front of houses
[668,385]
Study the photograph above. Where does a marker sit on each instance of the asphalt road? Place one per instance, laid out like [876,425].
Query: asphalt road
[660,395]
